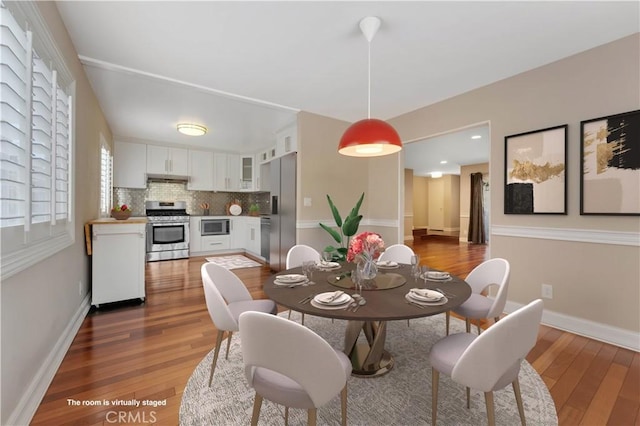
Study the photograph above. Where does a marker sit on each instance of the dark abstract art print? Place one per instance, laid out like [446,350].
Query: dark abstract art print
[610,166]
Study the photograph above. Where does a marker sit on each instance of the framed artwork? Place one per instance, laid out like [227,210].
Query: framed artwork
[535,172]
[610,166]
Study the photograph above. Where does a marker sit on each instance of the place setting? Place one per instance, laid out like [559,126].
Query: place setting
[290,280]
[437,276]
[331,300]
[422,297]
[387,264]
[326,263]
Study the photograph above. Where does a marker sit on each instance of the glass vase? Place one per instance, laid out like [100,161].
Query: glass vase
[367,268]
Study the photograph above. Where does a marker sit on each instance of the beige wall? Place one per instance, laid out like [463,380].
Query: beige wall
[577,88]
[465,194]
[40,302]
[408,204]
[420,201]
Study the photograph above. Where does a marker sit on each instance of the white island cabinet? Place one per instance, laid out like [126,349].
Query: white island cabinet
[118,260]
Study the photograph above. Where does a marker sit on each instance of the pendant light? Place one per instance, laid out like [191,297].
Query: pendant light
[369,137]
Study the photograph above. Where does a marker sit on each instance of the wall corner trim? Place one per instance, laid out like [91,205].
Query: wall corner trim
[595,236]
[31,398]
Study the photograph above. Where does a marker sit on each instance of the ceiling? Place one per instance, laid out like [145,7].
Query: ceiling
[244,69]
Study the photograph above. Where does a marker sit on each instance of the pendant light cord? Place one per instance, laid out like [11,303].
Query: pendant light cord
[369,89]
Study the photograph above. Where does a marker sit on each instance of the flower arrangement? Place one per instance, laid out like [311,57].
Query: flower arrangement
[366,246]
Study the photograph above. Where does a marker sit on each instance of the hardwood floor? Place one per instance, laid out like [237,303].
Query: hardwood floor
[148,352]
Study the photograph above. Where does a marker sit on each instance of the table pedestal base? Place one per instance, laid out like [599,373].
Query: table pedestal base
[369,359]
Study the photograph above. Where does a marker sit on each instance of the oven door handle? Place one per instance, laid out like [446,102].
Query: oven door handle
[156,224]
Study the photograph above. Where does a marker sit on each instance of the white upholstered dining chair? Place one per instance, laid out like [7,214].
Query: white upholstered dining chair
[492,272]
[489,361]
[399,253]
[308,377]
[227,297]
[296,256]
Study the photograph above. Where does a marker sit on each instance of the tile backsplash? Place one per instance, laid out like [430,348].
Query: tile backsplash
[173,191]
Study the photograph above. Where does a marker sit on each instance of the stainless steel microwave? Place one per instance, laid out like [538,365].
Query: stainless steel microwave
[214,227]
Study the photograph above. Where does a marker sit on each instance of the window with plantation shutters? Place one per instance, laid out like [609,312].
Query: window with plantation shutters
[36,111]
[106,186]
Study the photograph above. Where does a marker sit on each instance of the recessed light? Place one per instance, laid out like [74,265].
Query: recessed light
[476,137]
[443,162]
[191,129]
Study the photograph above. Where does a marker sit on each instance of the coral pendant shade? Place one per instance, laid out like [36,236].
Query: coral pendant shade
[369,138]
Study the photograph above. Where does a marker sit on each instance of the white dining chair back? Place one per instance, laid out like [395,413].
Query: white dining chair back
[291,365]
[296,256]
[490,273]
[399,253]
[226,298]
[489,361]
[299,254]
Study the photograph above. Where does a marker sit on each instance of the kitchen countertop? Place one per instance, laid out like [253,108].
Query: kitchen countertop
[112,221]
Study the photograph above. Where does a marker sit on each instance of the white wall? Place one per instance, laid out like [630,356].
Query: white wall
[591,261]
[42,305]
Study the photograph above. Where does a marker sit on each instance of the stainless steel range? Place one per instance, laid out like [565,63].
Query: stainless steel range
[167,230]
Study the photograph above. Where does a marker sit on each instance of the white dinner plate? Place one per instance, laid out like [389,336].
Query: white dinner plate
[328,298]
[425,295]
[290,284]
[328,266]
[342,305]
[411,299]
[436,275]
[387,264]
[235,209]
[290,278]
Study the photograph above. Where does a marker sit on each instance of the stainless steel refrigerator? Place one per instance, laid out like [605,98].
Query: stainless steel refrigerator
[283,210]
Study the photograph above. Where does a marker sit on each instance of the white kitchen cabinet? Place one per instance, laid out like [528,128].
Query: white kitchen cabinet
[129,165]
[118,261]
[238,231]
[247,173]
[211,243]
[252,243]
[226,169]
[287,141]
[195,245]
[165,161]
[200,171]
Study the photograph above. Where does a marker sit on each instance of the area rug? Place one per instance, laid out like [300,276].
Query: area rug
[234,261]
[401,397]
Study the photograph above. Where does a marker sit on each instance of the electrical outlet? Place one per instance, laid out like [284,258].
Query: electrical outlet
[547,291]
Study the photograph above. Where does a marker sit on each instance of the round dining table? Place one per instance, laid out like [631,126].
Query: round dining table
[385,301]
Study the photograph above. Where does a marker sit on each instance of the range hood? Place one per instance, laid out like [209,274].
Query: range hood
[167,178]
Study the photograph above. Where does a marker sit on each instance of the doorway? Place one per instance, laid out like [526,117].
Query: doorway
[437,200]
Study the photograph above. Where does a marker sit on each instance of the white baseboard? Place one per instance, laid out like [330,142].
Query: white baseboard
[30,400]
[583,327]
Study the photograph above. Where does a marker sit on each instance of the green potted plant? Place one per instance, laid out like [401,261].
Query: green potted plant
[254,210]
[346,228]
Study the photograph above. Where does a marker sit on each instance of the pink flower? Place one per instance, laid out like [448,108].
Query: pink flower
[366,244]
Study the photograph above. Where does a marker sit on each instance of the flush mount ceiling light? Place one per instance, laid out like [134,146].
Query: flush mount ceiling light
[369,137]
[476,137]
[191,129]
[436,175]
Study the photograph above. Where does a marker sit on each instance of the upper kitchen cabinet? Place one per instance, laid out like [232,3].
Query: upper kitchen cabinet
[287,141]
[129,165]
[164,161]
[226,169]
[200,171]
[247,173]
